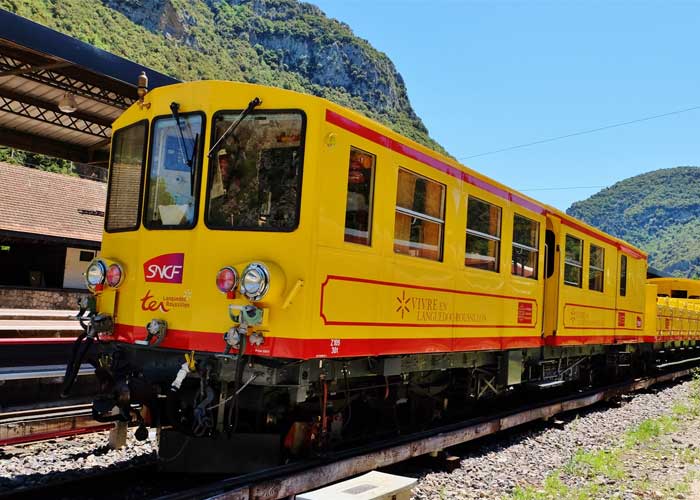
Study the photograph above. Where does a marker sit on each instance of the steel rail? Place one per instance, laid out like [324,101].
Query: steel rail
[7,416]
[26,426]
[291,479]
[40,372]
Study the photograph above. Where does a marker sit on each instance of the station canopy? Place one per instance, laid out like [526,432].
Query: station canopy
[44,74]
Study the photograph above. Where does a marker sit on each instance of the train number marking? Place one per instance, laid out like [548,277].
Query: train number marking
[335,346]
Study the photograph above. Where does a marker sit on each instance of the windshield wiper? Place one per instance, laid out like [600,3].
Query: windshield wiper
[189,159]
[190,162]
[251,106]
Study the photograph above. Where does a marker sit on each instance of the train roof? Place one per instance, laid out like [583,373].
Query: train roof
[677,280]
[384,136]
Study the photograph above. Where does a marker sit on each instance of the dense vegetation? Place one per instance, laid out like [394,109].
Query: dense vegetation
[284,43]
[658,211]
[41,162]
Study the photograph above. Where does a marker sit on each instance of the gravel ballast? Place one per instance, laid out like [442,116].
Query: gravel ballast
[35,464]
[493,468]
[497,468]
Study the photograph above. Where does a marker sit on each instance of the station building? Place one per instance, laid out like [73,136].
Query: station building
[50,228]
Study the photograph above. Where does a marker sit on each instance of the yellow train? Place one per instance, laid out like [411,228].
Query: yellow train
[274,263]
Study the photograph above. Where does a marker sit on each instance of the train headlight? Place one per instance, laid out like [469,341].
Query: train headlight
[226,279]
[95,274]
[255,281]
[115,275]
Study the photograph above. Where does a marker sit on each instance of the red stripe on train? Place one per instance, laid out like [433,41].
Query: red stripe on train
[408,151]
[281,347]
[324,348]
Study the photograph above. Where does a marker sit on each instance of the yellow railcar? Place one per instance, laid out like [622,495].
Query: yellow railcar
[266,240]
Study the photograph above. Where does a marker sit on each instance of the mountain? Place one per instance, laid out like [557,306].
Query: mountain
[283,43]
[658,211]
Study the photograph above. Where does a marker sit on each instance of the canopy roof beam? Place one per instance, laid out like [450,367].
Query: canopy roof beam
[41,111]
[45,74]
[58,149]
[38,67]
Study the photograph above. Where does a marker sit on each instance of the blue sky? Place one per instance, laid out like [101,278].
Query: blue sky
[487,75]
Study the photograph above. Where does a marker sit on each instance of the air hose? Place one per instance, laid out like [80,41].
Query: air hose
[81,346]
[233,411]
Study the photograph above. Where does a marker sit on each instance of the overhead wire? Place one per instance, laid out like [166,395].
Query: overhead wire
[582,132]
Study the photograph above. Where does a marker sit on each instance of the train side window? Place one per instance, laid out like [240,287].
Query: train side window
[483,235]
[623,275]
[596,269]
[679,294]
[573,261]
[526,239]
[358,209]
[420,216]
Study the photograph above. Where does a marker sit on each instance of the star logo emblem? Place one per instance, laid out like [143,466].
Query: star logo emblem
[403,304]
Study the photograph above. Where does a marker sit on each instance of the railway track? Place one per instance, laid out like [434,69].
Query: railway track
[294,478]
[24,426]
[34,347]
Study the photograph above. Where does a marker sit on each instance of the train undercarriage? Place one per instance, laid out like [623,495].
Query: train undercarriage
[231,413]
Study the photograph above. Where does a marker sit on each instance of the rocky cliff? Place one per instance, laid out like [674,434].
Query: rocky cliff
[284,43]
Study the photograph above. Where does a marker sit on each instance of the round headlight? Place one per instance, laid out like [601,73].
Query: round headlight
[226,279]
[115,275]
[95,274]
[255,281]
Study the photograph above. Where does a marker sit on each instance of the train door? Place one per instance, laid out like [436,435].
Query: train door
[630,305]
[551,274]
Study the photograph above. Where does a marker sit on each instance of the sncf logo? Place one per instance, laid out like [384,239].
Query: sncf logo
[167,268]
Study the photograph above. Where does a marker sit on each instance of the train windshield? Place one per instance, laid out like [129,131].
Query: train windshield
[255,176]
[171,198]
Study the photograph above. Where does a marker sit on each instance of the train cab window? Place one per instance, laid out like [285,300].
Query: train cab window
[125,174]
[420,216]
[483,235]
[596,269]
[358,209]
[526,234]
[623,275]
[174,162]
[255,173]
[573,261]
